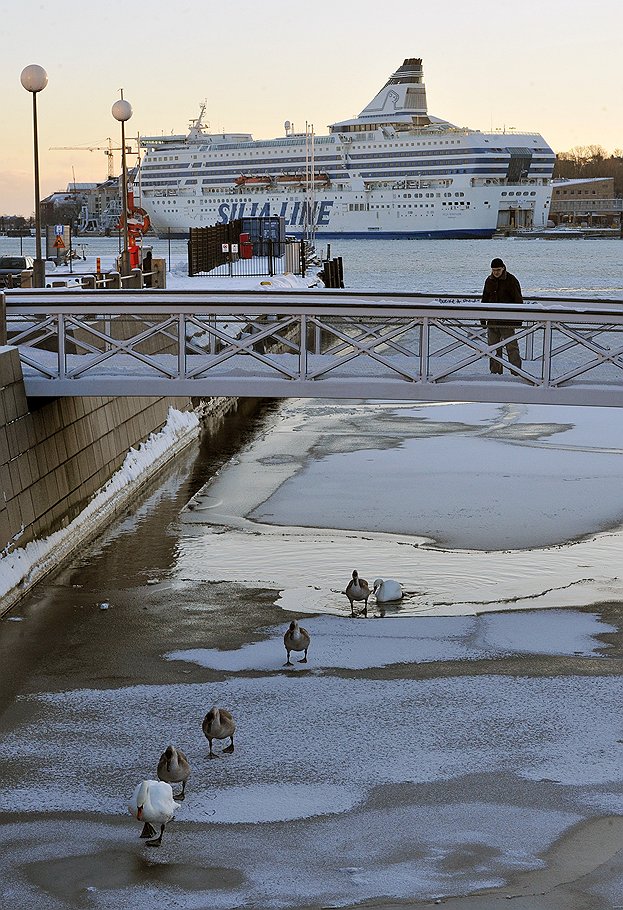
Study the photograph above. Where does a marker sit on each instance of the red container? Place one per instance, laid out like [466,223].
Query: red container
[245,247]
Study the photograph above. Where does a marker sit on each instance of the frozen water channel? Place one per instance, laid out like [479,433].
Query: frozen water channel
[471,507]
[463,746]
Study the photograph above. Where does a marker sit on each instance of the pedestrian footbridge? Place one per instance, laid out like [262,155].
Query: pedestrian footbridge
[315,344]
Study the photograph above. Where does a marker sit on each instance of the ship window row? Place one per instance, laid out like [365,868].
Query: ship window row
[169,158]
[431,172]
[439,153]
[483,168]
[363,160]
[538,154]
[446,166]
[298,160]
[270,143]
[513,193]
[164,167]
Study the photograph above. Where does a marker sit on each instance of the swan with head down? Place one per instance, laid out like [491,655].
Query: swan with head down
[152,803]
[387,590]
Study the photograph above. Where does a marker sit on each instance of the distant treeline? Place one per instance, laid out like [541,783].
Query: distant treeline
[14,223]
[591,161]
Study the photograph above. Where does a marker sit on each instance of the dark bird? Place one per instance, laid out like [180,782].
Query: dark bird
[173,768]
[219,724]
[358,589]
[296,639]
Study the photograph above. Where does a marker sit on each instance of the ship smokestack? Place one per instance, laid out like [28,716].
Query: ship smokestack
[411,74]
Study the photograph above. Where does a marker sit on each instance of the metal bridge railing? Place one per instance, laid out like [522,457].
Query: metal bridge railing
[332,344]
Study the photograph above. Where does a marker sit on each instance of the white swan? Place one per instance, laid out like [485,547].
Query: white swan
[174,768]
[152,803]
[387,590]
[358,589]
[296,639]
[219,724]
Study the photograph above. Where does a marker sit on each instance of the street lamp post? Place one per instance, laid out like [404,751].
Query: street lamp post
[122,111]
[34,79]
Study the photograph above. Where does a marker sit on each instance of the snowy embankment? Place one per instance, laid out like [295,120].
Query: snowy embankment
[21,568]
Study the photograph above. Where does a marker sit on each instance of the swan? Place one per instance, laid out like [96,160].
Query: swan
[358,589]
[152,803]
[387,590]
[173,768]
[296,639]
[219,724]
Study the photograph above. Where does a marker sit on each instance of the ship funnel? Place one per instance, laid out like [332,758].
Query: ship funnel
[403,93]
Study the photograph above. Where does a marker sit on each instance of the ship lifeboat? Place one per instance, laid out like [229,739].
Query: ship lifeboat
[256,180]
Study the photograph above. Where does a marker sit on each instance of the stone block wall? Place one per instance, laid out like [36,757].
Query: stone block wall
[54,457]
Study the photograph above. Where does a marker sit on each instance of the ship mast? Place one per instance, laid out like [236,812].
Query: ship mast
[309,223]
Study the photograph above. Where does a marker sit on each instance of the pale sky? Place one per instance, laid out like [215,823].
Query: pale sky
[546,66]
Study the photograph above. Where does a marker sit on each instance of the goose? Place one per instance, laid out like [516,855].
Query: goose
[173,768]
[152,803]
[219,724]
[387,590]
[357,589]
[296,639]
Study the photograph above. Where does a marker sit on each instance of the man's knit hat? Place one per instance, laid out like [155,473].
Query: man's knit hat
[497,264]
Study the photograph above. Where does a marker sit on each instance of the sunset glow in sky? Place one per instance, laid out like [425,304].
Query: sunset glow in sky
[541,65]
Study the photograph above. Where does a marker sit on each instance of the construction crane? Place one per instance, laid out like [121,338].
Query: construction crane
[107,149]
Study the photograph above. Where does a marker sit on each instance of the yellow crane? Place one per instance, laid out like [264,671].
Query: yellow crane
[107,149]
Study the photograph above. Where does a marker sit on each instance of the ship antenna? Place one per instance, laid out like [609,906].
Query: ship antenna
[198,124]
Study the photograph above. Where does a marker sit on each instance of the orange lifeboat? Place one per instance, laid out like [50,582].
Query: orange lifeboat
[256,180]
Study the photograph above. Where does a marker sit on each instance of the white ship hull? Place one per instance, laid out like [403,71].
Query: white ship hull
[379,213]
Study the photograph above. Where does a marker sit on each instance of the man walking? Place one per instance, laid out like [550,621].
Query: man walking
[502,287]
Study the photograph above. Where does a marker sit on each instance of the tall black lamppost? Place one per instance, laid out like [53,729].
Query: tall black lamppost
[34,79]
[122,111]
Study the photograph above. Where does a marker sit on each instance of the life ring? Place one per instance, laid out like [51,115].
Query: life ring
[138,221]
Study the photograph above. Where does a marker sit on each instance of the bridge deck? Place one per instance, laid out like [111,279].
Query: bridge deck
[330,344]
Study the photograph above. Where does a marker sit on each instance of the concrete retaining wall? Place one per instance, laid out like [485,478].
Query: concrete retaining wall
[55,457]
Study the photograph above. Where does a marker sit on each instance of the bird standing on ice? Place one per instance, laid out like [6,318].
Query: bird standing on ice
[387,590]
[296,639]
[358,589]
[152,803]
[174,768]
[219,724]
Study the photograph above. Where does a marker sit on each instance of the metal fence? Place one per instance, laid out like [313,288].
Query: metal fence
[244,247]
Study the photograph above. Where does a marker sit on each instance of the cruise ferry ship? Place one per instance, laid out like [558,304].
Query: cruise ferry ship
[393,171]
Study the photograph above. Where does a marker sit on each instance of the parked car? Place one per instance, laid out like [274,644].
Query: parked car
[11,268]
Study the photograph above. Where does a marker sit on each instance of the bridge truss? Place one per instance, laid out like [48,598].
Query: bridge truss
[320,344]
